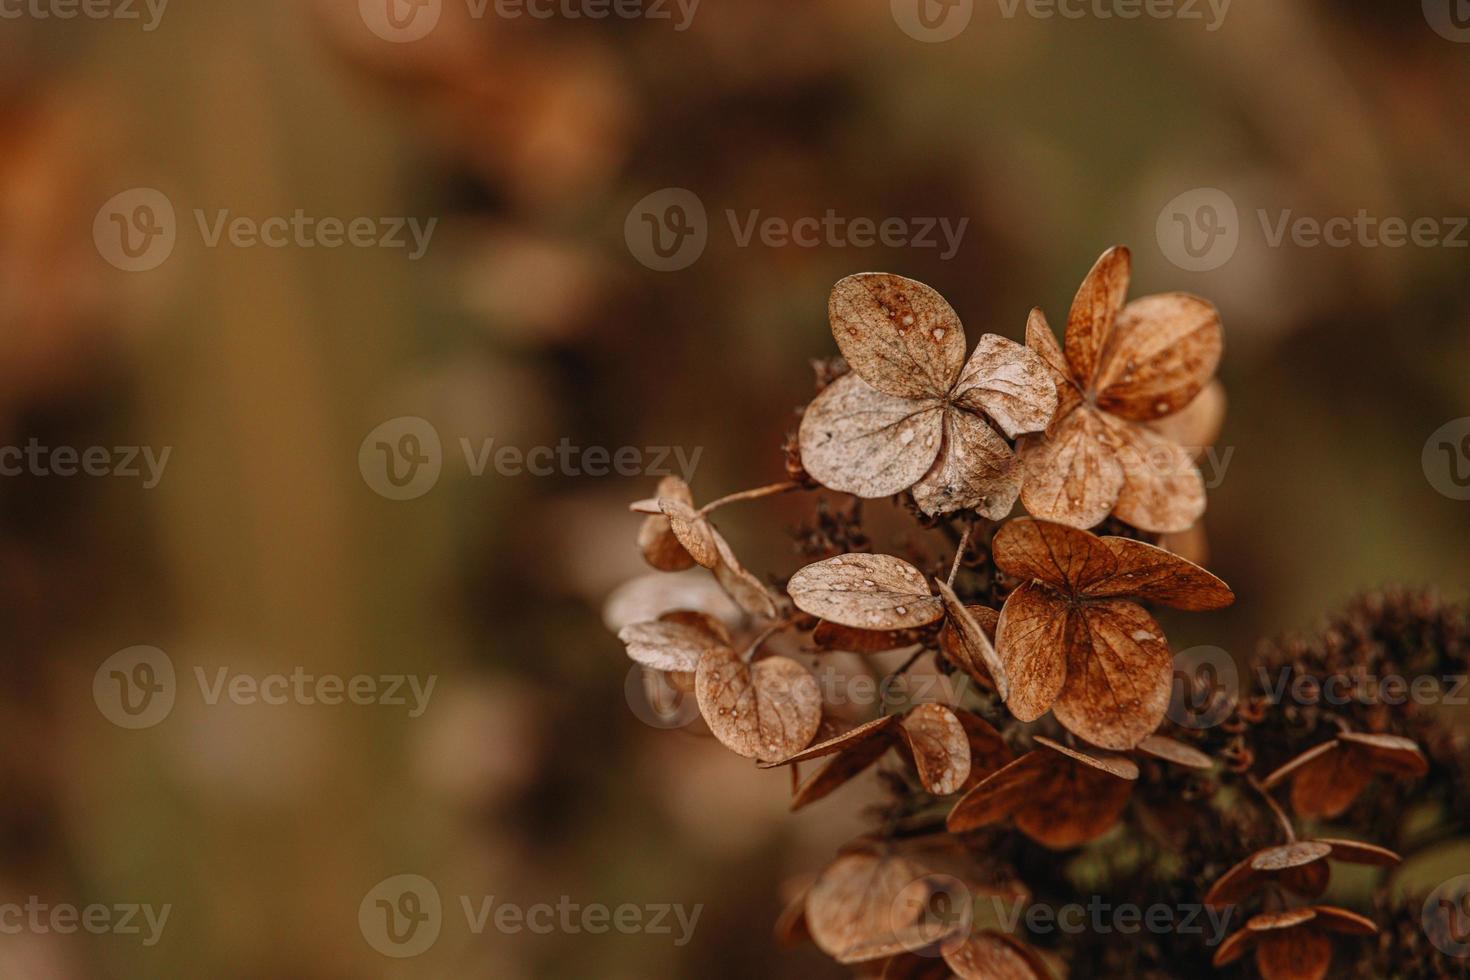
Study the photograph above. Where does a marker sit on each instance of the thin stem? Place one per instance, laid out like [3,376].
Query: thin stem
[765,635]
[1275,808]
[958,554]
[755,494]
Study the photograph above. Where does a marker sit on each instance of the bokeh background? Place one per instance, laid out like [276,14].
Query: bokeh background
[529,320]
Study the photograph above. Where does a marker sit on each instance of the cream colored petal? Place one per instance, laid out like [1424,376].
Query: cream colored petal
[1072,475]
[875,592]
[1094,311]
[858,440]
[1197,425]
[765,712]
[975,469]
[900,336]
[1010,384]
[1162,352]
[1162,487]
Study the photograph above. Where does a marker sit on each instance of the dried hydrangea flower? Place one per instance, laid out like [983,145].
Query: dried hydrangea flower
[869,905]
[1071,641]
[944,745]
[673,524]
[881,593]
[1327,778]
[1299,866]
[914,414]
[1293,944]
[1059,797]
[765,710]
[1124,367]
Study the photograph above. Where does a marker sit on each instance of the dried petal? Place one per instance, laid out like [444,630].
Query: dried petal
[865,591]
[1334,919]
[1234,947]
[1359,852]
[1162,487]
[1061,556]
[994,956]
[1387,753]
[845,765]
[975,469]
[1010,384]
[1197,425]
[1300,954]
[964,642]
[1071,475]
[1032,637]
[1162,352]
[1293,855]
[1170,750]
[988,749]
[838,743]
[1095,309]
[1328,783]
[749,593]
[856,439]
[1160,576]
[940,748]
[835,636]
[856,910]
[766,711]
[900,336]
[1118,676]
[1043,343]
[656,539]
[1114,765]
[675,641]
[692,530]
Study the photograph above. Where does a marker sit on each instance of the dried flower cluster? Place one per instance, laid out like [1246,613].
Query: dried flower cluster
[1061,678]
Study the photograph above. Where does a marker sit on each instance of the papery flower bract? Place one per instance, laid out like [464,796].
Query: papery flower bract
[1072,642]
[1124,367]
[914,414]
[1293,944]
[1299,866]
[1327,778]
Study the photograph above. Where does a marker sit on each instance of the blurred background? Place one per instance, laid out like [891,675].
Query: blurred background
[534,315]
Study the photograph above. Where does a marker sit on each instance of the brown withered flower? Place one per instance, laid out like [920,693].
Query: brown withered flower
[914,414]
[947,748]
[881,594]
[1069,639]
[1124,367]
[675,535]
[1327,778]
[1299,866]
[1293,944]
[1057,796]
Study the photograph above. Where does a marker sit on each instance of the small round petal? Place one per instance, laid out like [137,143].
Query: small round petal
[1031,639]
[994,956]
[767,711]
[900,336]
[1118,766]
[1176,752]
[1163,351]
[1043,342]
[1327,784]
[975,469]
[1388,753]
[845,766]
[862,733]
[1119,676]
[1197,426]
[675,642]
[656,538]
[877,592]
[1071,475]
[1300,954]
[940,748]
[1358,852]
[858,440]
[1063,557]
[855,911]
[1333,919]
[1293,855]
[1283,919]
[1235,946]
[1010,384]
[1095,309]
[1163,490]
[1000,794]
